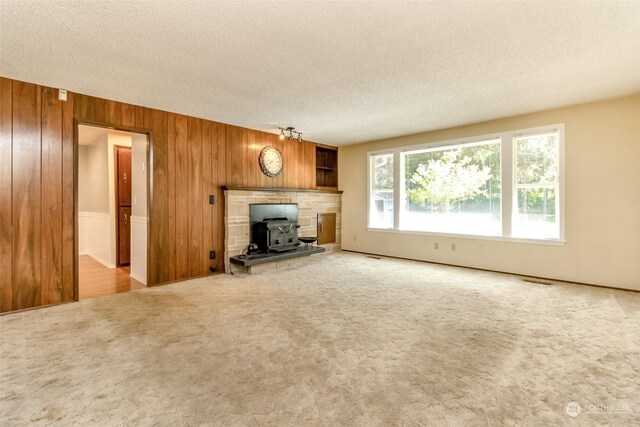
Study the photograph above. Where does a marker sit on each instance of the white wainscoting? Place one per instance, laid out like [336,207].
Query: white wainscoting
[94,238]
[139,249]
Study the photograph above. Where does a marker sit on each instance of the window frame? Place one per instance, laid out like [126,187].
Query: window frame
[507,165]
[370,154]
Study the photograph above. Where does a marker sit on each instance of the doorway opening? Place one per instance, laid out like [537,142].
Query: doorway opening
[112,199]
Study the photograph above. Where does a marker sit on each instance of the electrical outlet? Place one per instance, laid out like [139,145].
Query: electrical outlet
[453,247]
[212,200]
[436,246]
[354,237]
[212,254]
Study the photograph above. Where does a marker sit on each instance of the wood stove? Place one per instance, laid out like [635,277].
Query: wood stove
[276,235]
[274,227]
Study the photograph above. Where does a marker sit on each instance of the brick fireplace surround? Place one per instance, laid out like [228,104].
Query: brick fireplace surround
[310,204]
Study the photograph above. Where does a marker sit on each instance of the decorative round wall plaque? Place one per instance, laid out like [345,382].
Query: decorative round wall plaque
[271,161]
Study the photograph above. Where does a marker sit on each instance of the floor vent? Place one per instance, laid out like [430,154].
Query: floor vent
[373,257]
[537,281]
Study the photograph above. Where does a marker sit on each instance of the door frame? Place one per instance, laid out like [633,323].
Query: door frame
[149,158]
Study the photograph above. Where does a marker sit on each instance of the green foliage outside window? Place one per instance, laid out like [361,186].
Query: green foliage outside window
[445,178]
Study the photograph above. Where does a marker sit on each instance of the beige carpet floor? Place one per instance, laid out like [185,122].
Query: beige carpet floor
[346,340]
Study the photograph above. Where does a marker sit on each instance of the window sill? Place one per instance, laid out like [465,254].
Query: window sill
[524,240]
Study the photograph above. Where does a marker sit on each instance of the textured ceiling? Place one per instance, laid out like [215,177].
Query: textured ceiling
[341,72]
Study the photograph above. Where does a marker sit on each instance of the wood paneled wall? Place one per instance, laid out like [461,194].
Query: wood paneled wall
[36,193]
[191,159]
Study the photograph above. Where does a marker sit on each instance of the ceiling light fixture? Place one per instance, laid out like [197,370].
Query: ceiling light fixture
[291,136]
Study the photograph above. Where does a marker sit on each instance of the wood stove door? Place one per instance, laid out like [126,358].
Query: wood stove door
[276,237]
[291,237]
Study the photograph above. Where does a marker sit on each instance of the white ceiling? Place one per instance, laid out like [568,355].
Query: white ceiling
[341,72]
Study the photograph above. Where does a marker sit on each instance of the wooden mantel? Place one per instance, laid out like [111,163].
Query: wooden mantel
[280,190]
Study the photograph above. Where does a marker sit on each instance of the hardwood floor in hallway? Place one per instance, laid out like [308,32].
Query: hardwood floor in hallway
[96,280]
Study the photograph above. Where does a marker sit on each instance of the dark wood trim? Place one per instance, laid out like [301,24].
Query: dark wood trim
[329,147]
[76,226]
[149,173]
[186,279]
[280,190]
[37,307]
[494,271]
[113,126]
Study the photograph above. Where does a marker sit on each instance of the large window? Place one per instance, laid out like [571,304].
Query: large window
[381,192]
[503,186]
[453,189]
[536,186]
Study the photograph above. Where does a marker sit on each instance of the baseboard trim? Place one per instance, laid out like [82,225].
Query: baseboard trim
[495,271]
[101,261]
[138,278]
[185,279]
[24,310]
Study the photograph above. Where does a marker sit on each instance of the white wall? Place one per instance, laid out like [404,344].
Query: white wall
[94,237]
[602,200]
[84,204]
[139,207]
[139,175]
[139,249]
[97,185]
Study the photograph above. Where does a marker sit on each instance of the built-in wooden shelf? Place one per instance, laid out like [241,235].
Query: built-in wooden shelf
[326,167]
